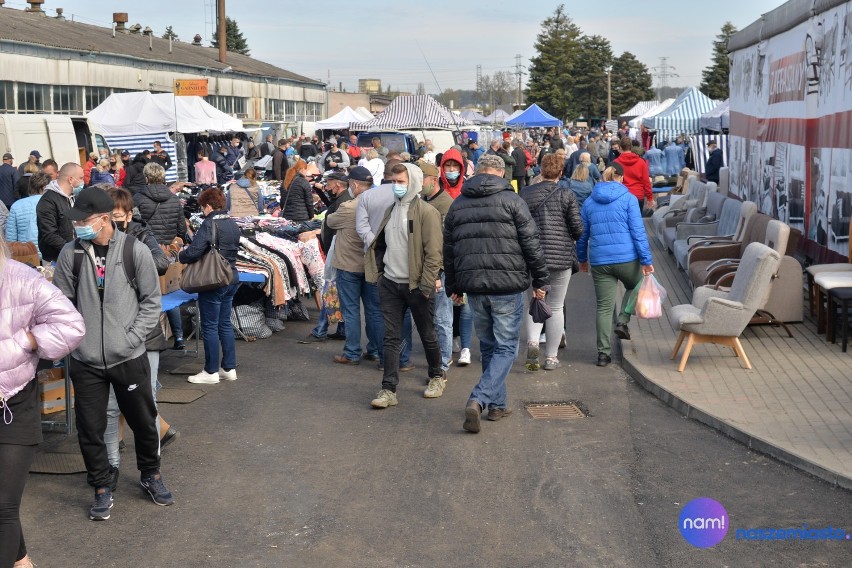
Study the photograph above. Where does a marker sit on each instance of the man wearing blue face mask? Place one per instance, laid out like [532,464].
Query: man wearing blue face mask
[54,226]
[405,260]
[111,279]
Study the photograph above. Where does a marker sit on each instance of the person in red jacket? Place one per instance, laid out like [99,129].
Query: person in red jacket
[452,172]
[636,176]
[88,166]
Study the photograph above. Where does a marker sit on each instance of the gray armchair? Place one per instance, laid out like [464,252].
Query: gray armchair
[719,316]
[728,227]
[696,194]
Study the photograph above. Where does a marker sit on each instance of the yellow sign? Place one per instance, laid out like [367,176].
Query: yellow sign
[191,87]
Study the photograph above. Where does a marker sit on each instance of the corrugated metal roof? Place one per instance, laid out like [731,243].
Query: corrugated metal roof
[29,28]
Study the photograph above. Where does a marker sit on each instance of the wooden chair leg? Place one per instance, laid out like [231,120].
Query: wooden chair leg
[820,311]
[738,347]
[690,341]
[678,344]
[811,295]
[830,324]
[845,323]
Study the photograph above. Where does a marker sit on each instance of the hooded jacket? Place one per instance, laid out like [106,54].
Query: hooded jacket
[28,302]
[134,179]
[557,217]
[491,243]
[636,176]
[54,227]
[116,327]
[163,212]
[416,223]
[453,189]
[613,231]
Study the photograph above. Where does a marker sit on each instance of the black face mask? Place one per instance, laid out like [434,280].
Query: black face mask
[122,226]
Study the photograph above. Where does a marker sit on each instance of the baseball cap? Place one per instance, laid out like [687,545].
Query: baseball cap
[36,153]
[8,156]
[427,168]
[91,201]
[125,153]
[338,176]
[361,173]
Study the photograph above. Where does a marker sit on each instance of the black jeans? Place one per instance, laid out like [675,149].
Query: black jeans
[395,298]
[15,461]
[131,382]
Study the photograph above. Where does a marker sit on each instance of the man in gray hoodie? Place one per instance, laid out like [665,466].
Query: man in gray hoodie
[120,305]
[405,260]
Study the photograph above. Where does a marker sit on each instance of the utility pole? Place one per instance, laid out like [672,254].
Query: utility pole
[223,48]
[479,83]
[663,72]
[519,73]
[609,93]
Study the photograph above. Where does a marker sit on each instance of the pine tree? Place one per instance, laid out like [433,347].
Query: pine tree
[170,33]
[552,67]
[234,40]
[588,84]
[714,82]
[631,83]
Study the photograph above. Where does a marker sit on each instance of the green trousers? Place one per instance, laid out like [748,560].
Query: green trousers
[606,278]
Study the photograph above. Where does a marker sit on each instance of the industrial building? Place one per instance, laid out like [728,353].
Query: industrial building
[49,64]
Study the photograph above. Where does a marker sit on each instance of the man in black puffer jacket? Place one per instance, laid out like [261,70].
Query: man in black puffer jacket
[491,246]
[159,207]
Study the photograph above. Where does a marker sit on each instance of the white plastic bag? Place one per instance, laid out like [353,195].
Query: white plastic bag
[649,301]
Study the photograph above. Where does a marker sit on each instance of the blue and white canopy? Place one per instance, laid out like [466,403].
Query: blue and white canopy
[683,116]
[412,112]
[638,109]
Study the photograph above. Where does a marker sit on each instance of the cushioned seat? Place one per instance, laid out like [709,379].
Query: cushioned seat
[670,215]
[729,226]
[842,298]
[814,269]
[701,258]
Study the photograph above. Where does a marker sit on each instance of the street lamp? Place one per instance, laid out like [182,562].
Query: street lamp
[608,70]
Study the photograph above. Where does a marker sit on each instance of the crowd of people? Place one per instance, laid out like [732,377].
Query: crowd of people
[448,242]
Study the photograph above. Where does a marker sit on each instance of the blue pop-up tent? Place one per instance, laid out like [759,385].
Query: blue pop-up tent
[534,116]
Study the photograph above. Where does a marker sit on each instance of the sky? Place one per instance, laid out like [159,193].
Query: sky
[341,41]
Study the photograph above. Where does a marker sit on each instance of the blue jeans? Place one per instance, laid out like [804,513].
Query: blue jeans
[497,320]
[466,326]
[214,307]
[444,325]
[175,323]
[352,289]
[321,330]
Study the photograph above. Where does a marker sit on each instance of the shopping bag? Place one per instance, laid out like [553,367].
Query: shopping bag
[650,298]
[539,311]
[331,300]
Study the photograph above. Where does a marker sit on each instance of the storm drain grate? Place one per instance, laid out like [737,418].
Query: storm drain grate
[565,410]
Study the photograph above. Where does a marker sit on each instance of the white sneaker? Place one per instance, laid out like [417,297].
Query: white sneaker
[435,388]
[464,358]
[204,378]
[456,344]
[228,375]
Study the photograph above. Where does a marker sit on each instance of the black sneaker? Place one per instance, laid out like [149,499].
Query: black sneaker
[102,505]
[312,339]
[170,436]
[604,360]
[622,332]
[121,446]
[113,484]
[153,484]
[337,336]
[179,345]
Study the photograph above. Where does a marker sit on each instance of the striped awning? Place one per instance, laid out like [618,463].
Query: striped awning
[136,143]
[683,116]
[412,111]
[638,109]
[717,119]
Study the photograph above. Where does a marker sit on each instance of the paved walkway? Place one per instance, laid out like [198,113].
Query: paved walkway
[795,404]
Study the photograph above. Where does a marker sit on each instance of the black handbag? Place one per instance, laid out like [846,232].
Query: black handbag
[210,272]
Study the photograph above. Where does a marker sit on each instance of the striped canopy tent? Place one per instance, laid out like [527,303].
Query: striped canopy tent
[718,119]
[412,112]
[638,109]
[683,116]
[637,122]
[473,116]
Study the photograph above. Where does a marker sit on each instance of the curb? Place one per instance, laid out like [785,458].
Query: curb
[751,442]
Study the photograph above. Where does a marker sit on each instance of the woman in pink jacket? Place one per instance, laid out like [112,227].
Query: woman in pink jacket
[36,322]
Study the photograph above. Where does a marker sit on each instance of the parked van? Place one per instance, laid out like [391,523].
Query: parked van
[442,140]
[63,138]
[393,141]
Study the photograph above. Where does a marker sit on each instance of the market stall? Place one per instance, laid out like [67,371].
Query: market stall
[411,112]
[532,117]
[718,119]
[682,117]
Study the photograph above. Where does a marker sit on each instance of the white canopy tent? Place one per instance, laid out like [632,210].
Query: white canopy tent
[341,120]
[637,122]
[364,113]
[499,116]
[127,114]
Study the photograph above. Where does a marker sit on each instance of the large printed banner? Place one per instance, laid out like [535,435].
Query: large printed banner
[791,126]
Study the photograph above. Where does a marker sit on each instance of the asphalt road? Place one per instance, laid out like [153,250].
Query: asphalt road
[289,466]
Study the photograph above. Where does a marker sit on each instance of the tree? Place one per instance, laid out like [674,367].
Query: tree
[170,33]
[631,83]
[234,40]
[497,89]
[588,84]
[714,81]
[553,65]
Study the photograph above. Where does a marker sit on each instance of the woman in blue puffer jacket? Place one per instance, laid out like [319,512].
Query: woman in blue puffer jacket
[614,243]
